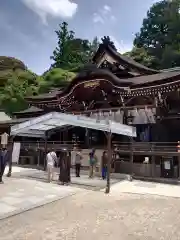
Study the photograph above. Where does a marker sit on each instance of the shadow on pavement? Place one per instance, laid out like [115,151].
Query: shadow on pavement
[82,182]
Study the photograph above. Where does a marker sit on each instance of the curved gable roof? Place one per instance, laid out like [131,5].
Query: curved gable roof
[123,59]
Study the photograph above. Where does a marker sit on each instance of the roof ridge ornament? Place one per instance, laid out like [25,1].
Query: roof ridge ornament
[128,90]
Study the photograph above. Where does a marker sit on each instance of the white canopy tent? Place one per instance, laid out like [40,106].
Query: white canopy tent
[37,127]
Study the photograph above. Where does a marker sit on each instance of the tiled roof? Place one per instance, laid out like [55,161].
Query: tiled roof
[32,109]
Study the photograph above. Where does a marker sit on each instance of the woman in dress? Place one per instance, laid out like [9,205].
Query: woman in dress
[65,166]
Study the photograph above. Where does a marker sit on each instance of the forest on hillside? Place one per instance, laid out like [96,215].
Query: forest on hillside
[156,45]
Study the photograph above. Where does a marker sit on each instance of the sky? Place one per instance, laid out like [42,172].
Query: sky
[27,27]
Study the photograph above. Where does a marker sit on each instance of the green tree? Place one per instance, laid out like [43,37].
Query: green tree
[80,51]
[94,46]
[55,78]
[141,55]
[62,54]
[160,33]
[71,52]
[19,85]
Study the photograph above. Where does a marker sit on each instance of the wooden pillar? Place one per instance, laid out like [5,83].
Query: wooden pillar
[60,137]
[109,149]
[87,138]
[38,158]
[90,139]
[65,135]
[179,165]
[45,151]
[153,164]
[131,161]
[38,155]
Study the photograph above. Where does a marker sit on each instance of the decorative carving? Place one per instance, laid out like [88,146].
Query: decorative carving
[122,100]
[105,65]
[92,84]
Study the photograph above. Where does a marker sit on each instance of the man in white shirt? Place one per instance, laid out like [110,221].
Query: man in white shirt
[51,159]
[4,139]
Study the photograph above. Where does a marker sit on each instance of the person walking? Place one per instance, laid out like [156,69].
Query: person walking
[104,161]
[51,160]
[92,163]
[5,157]
[78,158]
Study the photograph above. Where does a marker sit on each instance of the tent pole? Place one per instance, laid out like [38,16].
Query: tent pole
[45,151]
[109,149]
[10,163]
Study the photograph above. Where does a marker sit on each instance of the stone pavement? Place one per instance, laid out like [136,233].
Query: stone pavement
[19,195]
[117,186]
[94,215]
[84,180]
[140,187]
[132,211]
[28,188]
[16,170]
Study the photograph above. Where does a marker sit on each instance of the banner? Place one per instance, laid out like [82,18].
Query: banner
[16,152]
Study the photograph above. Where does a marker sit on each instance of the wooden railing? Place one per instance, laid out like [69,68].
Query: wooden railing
[136,147]
[56,145]
[113,109]
[161,147]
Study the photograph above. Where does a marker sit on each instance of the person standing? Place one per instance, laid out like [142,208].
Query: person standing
[104,164]
[92,163]
[4,139]
[65,166]
[51,160]
[5,158]
[78,158]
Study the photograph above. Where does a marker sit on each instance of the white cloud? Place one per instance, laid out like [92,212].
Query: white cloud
[103,15]
[97,18]
[53,8]
[106,9]
[113,18]
[121,46]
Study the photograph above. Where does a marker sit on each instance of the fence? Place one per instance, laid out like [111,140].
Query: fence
[151,147]
[157,148]
[127,167]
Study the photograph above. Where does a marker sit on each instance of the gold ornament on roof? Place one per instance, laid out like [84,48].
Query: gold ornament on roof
[93,84]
